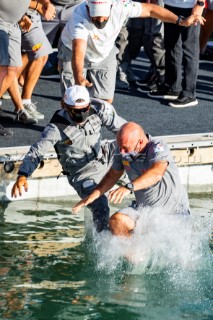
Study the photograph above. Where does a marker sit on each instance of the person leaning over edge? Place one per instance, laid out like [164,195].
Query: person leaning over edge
[153,174]
[87,52]
[76,134]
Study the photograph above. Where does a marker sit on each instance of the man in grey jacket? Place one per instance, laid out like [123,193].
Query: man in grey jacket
[76,134]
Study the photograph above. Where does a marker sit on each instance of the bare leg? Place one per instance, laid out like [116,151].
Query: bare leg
[21,75]
[32,74]
[16,95]
[7,75]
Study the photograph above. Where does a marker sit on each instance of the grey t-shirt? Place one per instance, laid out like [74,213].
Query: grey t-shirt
[168,192]
[12,11]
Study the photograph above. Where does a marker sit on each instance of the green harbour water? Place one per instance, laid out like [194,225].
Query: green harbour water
[54,266]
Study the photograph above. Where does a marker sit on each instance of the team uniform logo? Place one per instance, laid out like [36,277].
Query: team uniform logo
[159,147]
[36,47]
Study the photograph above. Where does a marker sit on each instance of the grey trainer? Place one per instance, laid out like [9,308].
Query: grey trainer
[32,110]
[24,117]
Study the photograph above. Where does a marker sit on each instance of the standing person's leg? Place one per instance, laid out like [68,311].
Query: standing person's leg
[123,59]
[190,65]
[158,50]
[190,39]
[37,48]
[173,61]
[10,60]
[32,74]
[10,54]
[22,115]
[65,67]
[173,57]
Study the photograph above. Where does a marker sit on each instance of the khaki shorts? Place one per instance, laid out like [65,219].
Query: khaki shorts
[35,43]
[10,48]
[102,75]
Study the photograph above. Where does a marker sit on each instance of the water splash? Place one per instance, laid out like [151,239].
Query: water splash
[177,244]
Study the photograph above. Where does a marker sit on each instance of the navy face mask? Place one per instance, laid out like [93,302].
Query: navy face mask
[98,24]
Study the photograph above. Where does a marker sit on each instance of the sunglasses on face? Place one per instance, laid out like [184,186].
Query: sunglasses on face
[79,111]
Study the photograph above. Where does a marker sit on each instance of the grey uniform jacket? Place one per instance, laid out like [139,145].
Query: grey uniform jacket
[77,145]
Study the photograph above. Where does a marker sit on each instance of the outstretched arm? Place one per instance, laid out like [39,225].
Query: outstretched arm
[158,12]
[79,47]
[18,186]
[108,181]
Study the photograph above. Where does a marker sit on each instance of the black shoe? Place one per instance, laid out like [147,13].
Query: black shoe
[208,54]
[5,132]
[183,102]
[164,92]
[147,79]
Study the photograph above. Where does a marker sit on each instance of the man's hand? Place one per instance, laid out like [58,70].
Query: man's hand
[18,185]
[117,195]
[25,23]
[192,20]
[49,11]
[83,82]
[92,197]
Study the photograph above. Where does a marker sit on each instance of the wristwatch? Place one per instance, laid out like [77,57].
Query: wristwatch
[179,19]
[130,186]
[200,3]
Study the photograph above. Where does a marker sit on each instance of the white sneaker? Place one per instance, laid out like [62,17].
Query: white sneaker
[24,117]
[32,110]
[121,81]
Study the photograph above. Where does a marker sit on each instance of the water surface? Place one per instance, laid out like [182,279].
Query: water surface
[54,266]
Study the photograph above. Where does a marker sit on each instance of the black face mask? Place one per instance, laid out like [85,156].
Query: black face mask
[79,115]
[98,24]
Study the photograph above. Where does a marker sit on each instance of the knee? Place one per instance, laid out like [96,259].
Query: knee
[9,71]
[121,225]
[40,61]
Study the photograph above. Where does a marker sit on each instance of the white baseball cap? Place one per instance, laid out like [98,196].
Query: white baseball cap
[99,8]
[74,93]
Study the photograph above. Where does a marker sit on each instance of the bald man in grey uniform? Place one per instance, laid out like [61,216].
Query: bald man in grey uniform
[153,176]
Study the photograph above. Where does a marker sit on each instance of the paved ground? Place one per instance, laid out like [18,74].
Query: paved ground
[154,115]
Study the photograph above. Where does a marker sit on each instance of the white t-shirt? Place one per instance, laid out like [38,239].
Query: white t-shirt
[186,4]
[99,41]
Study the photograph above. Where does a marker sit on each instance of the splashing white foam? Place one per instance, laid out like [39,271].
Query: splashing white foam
[160,242]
